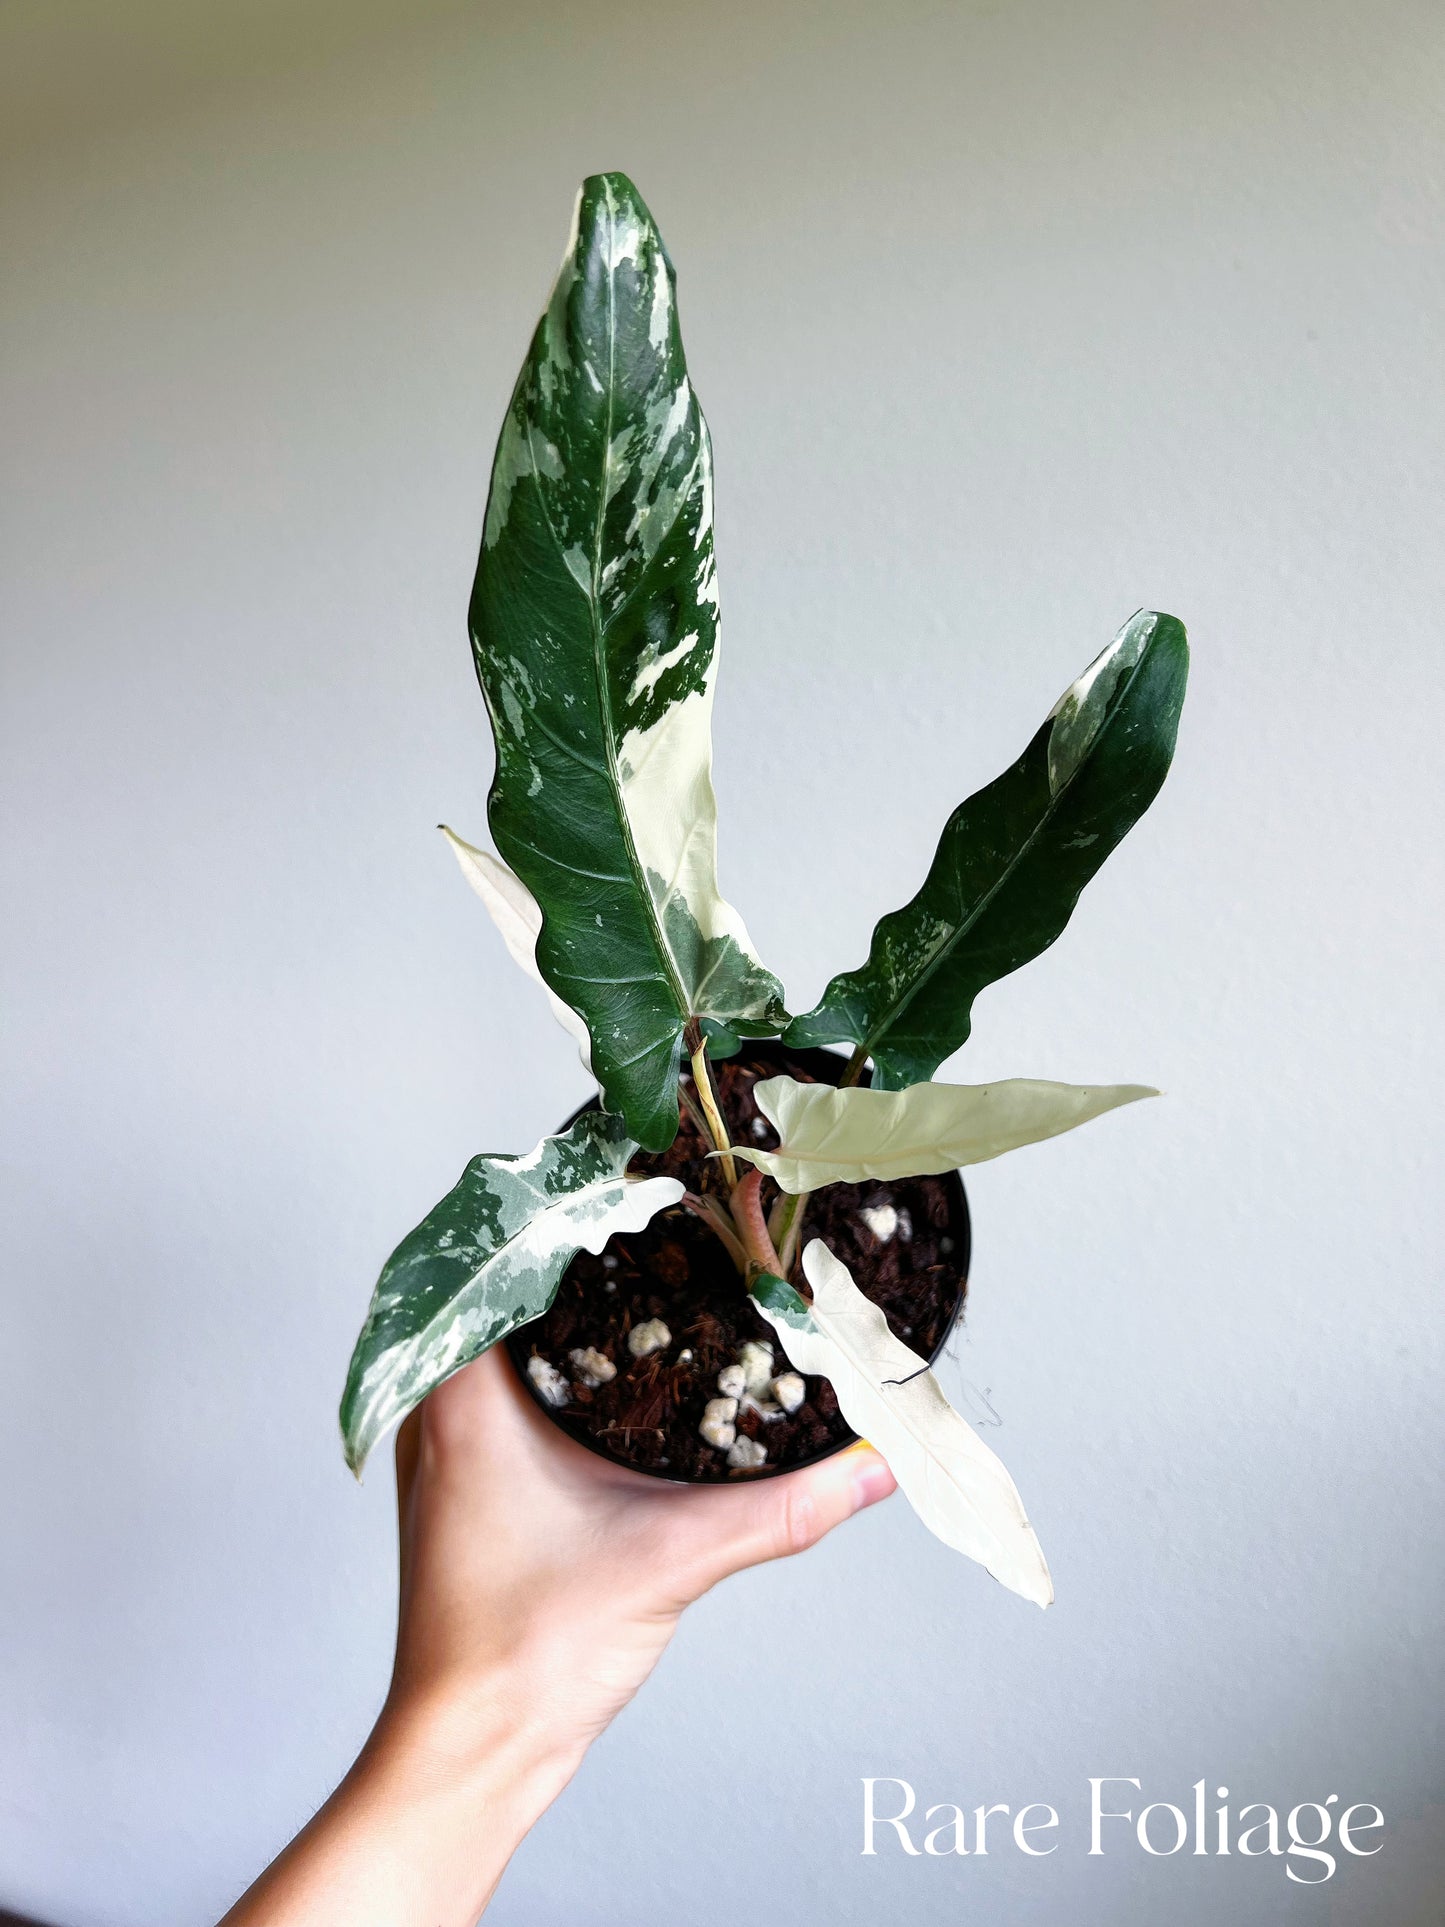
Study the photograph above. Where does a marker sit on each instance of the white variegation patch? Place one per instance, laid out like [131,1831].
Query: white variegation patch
[666,783]
[1078,713]
[657,665]
[627,238]
[830,1136]
[517,914]
[960,1489]
[512,461]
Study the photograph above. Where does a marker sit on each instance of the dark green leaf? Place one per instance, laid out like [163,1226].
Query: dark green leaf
[722,1040]
[1012,861]
[782,1300]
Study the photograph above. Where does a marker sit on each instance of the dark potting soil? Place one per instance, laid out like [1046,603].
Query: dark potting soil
[647,1416]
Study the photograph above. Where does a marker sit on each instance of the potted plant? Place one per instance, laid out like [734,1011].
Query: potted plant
[743,1252]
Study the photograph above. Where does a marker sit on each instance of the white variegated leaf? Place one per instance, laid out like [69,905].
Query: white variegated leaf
[516,913]
[487,1259]
[594,620]
[830,1136]
[957,1486]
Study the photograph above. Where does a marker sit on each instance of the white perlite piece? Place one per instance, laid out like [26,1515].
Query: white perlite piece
[756,1359]
[881,1220]
[905,1225]
[790,1391]
[732,1381]
[650,1336]
[764,1406]
[594,1368]
[717,1426]
[548,1381]
[747,1453]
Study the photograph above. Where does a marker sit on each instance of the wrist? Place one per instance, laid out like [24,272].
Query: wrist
[419,1831]
[435,1805]
[476,1743]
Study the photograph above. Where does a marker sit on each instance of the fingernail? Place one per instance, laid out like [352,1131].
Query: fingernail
[871,1483]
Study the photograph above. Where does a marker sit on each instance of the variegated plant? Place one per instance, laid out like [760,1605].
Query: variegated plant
[594,624]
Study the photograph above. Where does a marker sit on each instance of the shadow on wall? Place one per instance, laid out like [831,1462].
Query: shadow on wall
[18,1920]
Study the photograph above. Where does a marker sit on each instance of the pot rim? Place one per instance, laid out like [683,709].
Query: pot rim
[828,1066]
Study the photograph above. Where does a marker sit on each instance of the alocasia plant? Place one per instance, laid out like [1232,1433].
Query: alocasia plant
[594,624]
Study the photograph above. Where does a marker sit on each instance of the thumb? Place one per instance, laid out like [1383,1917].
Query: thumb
[746,1525]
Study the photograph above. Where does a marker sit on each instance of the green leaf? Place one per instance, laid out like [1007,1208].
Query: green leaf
[487,1259]
[959,1488]
[780,1300]
[831,1136]
[1012,861]
[722,1040]
[594,622]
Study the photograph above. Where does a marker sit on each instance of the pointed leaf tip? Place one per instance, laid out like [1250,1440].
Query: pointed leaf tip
[614,181]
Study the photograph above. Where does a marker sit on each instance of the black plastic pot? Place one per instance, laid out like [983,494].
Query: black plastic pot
[826,1067]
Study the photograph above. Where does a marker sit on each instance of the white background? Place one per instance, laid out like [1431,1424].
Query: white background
[1008,319]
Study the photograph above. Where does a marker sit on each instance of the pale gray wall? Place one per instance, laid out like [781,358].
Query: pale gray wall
[1008,319]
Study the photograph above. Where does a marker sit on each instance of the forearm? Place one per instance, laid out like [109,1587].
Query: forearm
[421,1828]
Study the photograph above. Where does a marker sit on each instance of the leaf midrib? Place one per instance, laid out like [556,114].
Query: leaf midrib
[598,629]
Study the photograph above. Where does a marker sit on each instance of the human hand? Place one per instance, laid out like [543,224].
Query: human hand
[539,1585]
[531,1565]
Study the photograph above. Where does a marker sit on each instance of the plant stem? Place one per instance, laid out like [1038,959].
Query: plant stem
[787,1219]
[747,1205]
[707,1097]
[788,1228]
[693,1108]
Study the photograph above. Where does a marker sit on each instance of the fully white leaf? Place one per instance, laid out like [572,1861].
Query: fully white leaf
[830,1136]
[517,914]
[959,1488]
